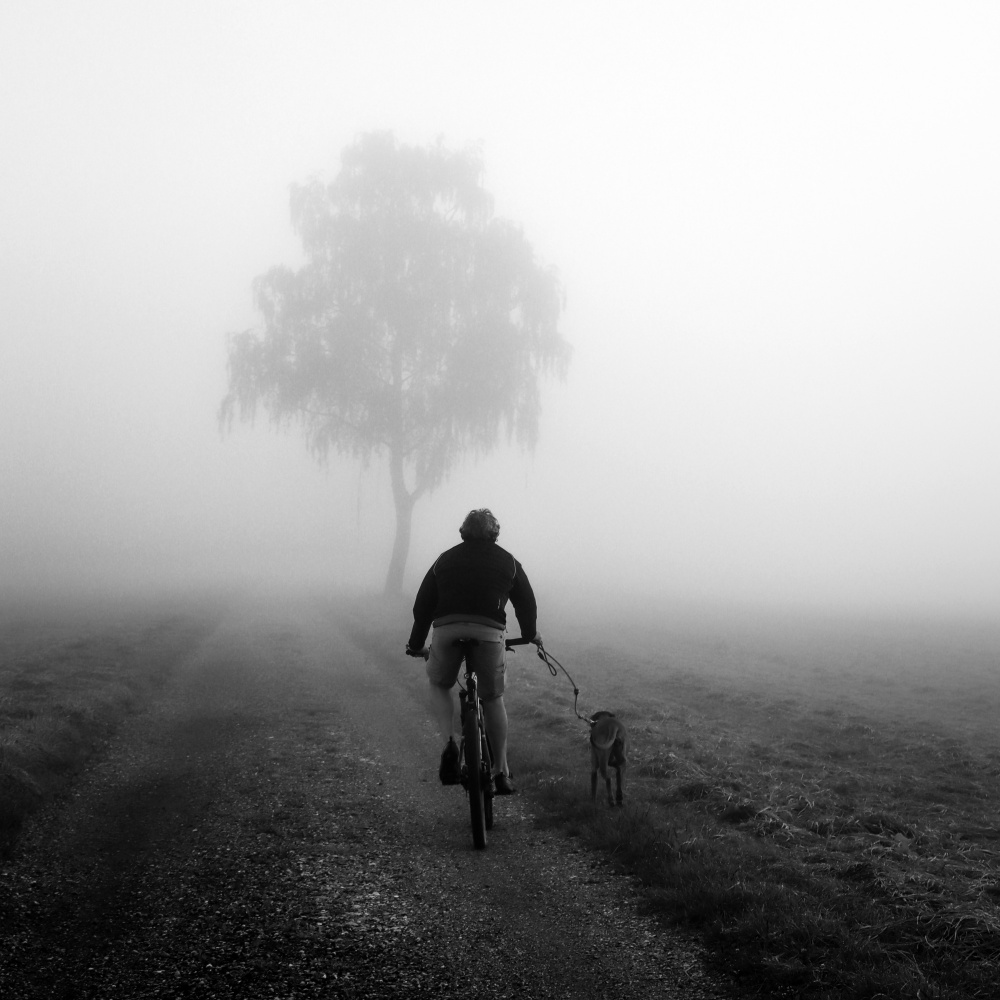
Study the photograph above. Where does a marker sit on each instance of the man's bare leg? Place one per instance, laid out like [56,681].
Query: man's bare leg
[443,709]
[496,726]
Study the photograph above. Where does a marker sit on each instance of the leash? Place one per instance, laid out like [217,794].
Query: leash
[551,662]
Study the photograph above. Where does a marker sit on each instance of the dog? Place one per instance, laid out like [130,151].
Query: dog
[608,748]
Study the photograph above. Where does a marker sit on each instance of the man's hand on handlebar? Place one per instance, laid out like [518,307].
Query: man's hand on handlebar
[425,652]
[535,640]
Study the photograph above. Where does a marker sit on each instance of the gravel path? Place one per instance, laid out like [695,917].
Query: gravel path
[275,828]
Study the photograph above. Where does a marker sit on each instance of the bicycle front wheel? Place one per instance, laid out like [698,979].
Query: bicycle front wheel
[474,767]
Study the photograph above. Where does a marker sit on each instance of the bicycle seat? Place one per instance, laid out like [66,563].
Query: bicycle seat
[466,642]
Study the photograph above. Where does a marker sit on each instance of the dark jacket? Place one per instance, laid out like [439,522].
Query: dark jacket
[473,582]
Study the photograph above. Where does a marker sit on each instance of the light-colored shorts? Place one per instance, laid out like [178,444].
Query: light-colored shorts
[487,660]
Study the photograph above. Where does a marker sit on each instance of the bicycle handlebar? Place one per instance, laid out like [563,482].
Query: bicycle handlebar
[508,643]
[519,642]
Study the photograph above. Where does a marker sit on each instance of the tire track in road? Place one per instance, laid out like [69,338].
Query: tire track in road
[78,893]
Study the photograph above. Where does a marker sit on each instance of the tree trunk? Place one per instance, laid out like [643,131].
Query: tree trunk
[400,547]
[404,502]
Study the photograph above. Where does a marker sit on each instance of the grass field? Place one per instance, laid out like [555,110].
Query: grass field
[815,798]
[818,798]
[69,672]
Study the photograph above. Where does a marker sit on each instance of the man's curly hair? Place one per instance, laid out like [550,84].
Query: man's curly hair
[480,524]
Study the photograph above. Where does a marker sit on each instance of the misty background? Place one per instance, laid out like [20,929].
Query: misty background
[777,227]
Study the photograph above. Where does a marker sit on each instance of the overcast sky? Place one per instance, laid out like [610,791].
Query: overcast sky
[777,226]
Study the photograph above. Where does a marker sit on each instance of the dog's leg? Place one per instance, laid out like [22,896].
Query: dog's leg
[599,763]
[605,774]
[619,759]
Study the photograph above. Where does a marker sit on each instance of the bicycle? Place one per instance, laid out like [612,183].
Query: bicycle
[475,751]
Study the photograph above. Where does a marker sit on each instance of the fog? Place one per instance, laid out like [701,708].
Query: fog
[777,227]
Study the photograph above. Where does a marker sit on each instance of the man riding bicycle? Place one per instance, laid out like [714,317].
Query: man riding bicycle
[464,596]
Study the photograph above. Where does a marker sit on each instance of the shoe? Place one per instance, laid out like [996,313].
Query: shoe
[449,771]
[503,784]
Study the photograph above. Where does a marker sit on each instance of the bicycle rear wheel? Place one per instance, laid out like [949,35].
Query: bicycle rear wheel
[474,766]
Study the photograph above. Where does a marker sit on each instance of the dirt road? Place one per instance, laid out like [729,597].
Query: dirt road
[273,827]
